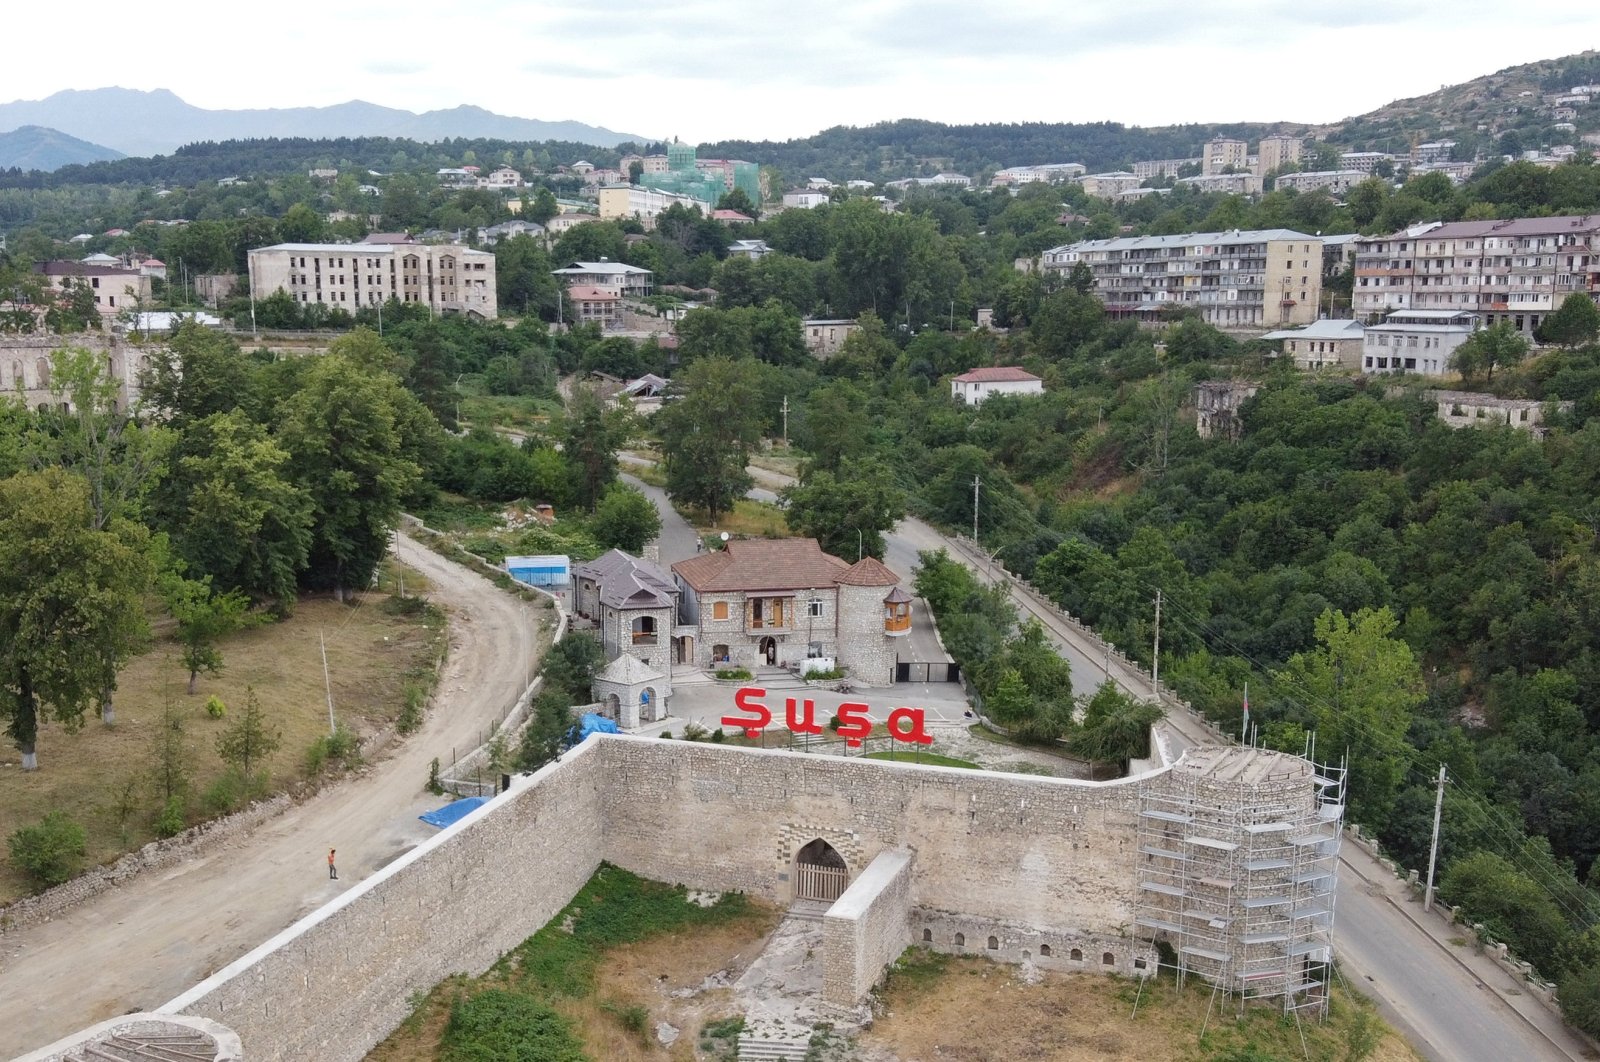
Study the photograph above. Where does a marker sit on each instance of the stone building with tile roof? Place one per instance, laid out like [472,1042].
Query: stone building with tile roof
[776,602]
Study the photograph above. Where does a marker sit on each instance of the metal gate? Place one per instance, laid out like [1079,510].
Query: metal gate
[923,671]
[819,883]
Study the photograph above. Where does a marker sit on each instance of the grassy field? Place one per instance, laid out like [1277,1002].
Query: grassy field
[101,776]
[595,980]
[931,759]
[970,1008]
[518,412]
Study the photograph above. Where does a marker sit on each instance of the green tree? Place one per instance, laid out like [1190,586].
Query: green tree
[1512,907]
[523,282]
[1574,324]
[203,616]
[1360,685]
[74,310]
[738,200]
[1488,349]
[1115,727]
[846,511]
[594,433]
[357,441]
[197,372]
[70,602]
[251,739]
[625,520]
[708,434]
[544,206]
[301,224]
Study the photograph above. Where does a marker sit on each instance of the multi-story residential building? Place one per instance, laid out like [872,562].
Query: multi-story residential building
[751,249]
[617,277]
[805,199]
[1432,151]
[642,204]
[502,177]
[447,278]
[592,305]
[1322,344]
[1224,153]
[1241,279]
[1364,161]
[1336,182]
[782,601]
[939,180]
[656,164]
[116,287]
[824,337]
[1516,270]
[1277,151]
[1241,183]
[1161,167]
[1046,172]
[1109,185]
[974,386]
[1419,341]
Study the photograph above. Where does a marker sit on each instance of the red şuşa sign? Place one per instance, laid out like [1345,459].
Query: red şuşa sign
[905,724]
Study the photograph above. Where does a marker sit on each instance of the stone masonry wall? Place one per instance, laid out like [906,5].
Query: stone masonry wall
[335,984]
[866,929]
[1054,853]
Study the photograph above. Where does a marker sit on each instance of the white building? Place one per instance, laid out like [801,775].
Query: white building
[1322,344]
[447,278]
[1337,182]
[805,199]
[978,384]
[1419,341]
[1364,161]
[617,277]
[751,249]
[643,204]
[1107,185]
[824,337]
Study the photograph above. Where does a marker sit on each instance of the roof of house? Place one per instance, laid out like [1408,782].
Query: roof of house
[589,293]
[389,237]
[898,596]
[730,215]
[868,571]
[1321,329]
[762,564]
[625,581]
[628,670]
[1455,230]
[1192,239]
[997,374]
[82,269]
[615,268]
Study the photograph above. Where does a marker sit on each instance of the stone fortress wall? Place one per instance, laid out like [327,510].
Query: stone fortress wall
[1011,866]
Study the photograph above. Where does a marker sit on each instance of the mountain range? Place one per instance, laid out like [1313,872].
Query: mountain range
[135,122]
[33,147]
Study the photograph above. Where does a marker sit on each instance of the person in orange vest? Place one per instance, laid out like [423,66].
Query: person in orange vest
[333,871]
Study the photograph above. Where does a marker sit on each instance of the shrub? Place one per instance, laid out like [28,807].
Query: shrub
[635,1019]
[411,714]
[225,794]
[342,745]
[171,821]
[732,674]
[215,707]
[718,736]
[435,786]
[693,731]
[496,1025]
[51,851]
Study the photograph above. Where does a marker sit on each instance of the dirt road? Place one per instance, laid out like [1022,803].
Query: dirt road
[136,947]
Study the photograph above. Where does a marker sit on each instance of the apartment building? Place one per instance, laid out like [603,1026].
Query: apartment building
[1516,270]
[642,204]
[616,277]
[1323,344]
[1264,278]
[116,287]
[1109,185]
[1432,151]
[1223,153]
[1046,172]
[447,278]
[1364,161]
[1241,183]
[1419,341]
[1335,182]
[1276,152]
[1161,167]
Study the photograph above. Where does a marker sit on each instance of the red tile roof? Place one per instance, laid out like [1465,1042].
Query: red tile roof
[592,294]
[762,564]
[998,374]
[868,571]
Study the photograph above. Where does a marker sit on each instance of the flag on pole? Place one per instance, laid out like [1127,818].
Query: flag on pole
[1244,724]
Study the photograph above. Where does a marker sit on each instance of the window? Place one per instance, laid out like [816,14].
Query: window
[927,936]
[1108,959]
[1044,951]
[814,608]
[994,943]
[1076,955]
[719,610]
[961,940]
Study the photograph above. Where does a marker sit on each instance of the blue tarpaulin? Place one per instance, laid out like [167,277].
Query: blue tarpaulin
[454,812]
[590,723]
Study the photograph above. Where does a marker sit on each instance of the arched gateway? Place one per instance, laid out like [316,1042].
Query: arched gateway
[820,872]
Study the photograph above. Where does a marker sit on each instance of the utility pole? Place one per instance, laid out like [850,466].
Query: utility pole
[785,412]
[1155,659]
[975,482]
[1433,849]
[327,683]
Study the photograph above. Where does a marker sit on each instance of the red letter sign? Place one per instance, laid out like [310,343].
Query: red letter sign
[806,723]
[853,723]
[759,717]
[917,734]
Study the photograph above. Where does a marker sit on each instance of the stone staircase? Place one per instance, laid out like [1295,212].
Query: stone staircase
[774,1040]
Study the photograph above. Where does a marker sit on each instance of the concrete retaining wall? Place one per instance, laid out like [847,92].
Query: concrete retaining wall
[866,929]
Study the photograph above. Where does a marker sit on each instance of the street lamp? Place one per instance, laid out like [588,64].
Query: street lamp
[457,386]
[860,548]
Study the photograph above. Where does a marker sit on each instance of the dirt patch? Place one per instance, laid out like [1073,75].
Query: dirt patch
[684,979]
[100,776]
[972,1010]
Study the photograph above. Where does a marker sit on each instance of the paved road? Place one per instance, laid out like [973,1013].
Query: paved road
[139,945]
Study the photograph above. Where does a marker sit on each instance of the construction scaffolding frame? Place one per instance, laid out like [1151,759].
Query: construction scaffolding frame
[1238,863]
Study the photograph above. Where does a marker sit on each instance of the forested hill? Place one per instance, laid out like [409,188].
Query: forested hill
[909,146]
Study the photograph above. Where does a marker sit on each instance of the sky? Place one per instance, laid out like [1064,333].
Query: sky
[707,70]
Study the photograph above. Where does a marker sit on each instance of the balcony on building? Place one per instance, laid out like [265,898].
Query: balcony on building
[897,613]
[767,614]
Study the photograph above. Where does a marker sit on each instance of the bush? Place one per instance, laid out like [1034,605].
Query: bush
[225,794]
[1580,1000]
[732,674]
[411,715]
[215,707]
[693,731]
[497,1025]
[50,852]
[171,821]
[635,1019]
